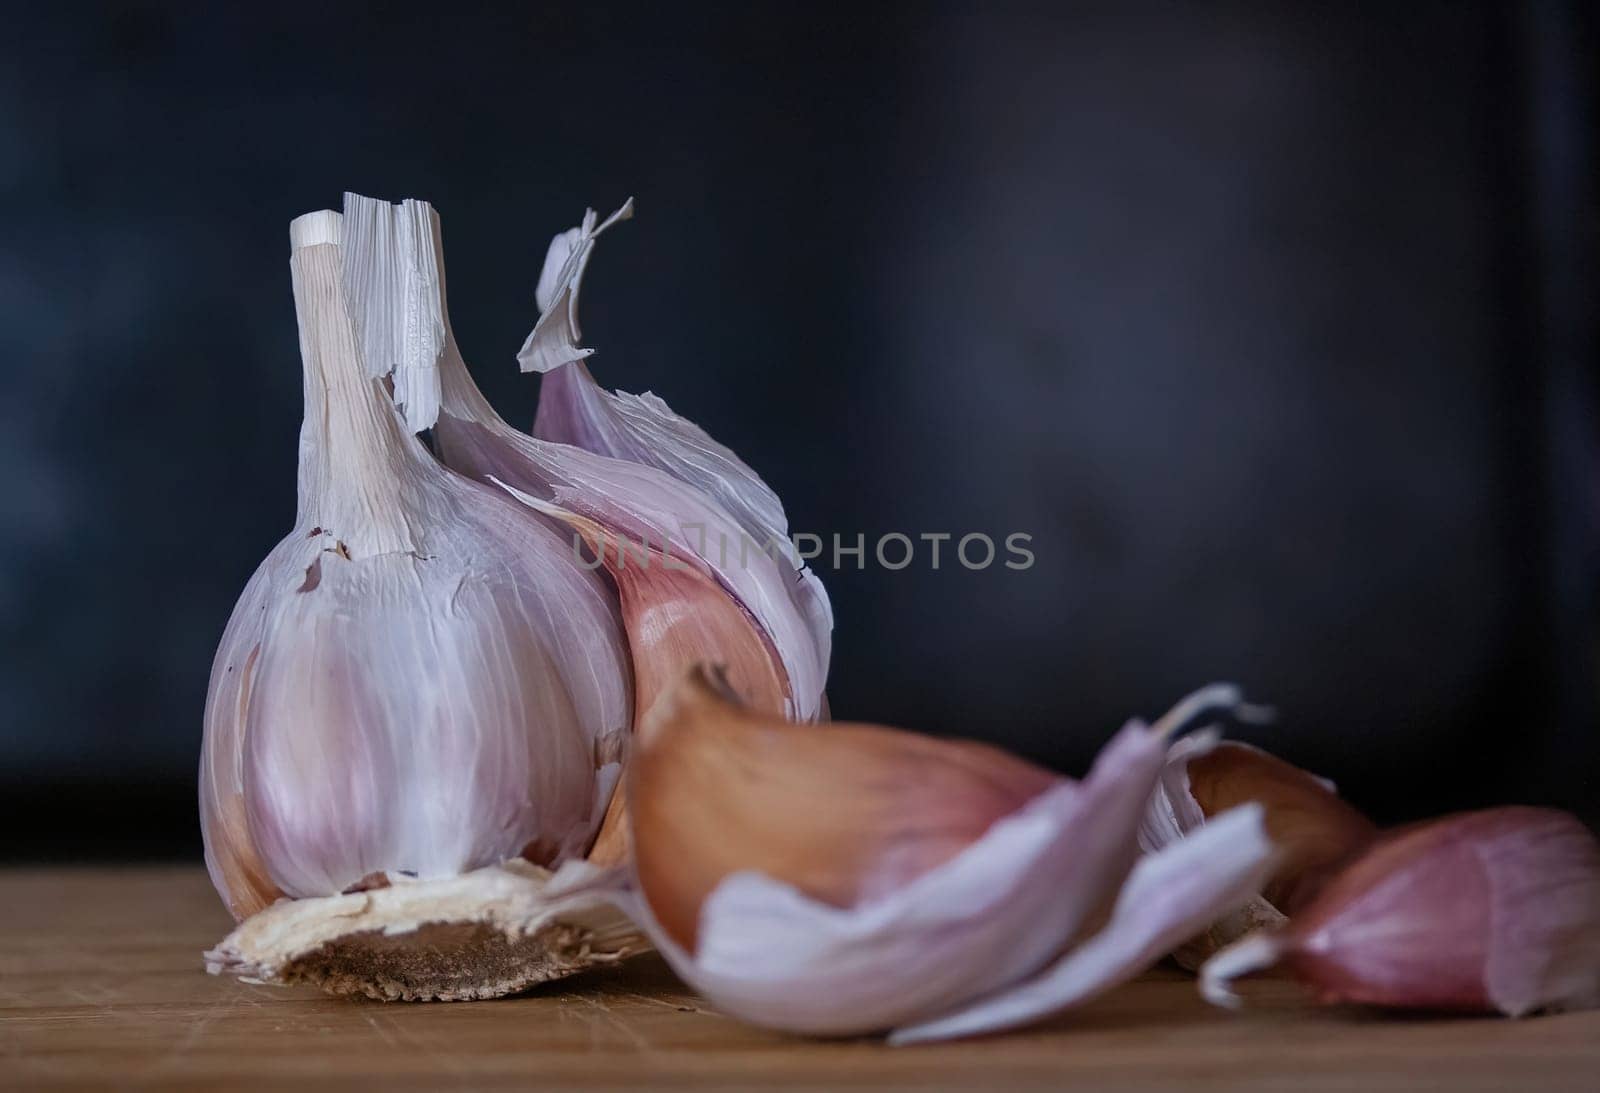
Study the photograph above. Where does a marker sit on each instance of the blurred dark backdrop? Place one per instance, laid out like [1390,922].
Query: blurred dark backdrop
[1272,324]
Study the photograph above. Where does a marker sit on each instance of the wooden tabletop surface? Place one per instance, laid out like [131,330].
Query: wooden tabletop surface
[101,985]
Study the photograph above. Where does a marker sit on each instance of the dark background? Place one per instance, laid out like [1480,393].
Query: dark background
[1272,324]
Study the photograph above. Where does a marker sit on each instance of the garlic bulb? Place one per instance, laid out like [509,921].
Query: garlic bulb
[575,410]
[1492,910]
[418,683]
[852,878]
[1315,831]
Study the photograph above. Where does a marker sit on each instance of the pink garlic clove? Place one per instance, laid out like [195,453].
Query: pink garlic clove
[1315,830]
[1482,911]
[843,812]
[846,879]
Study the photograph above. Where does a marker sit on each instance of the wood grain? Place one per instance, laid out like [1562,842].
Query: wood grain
[101,986]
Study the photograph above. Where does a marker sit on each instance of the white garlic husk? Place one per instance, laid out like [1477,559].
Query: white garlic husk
[419,685]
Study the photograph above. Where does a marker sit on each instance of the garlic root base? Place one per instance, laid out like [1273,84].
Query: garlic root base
[483,934]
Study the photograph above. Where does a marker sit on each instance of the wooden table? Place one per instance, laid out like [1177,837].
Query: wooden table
[101,985]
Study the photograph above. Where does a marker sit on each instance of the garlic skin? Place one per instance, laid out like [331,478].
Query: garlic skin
[575,410]
[843,879]
[1315,831]
[419,681]
[1497,910]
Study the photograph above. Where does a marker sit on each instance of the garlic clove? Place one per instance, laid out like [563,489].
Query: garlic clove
[676,617]
[1314,829]
[643,429]
[853,878]
[1167,896]
[1492,910]
[843,812]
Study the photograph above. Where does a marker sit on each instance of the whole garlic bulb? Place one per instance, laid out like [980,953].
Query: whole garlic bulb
[419,680]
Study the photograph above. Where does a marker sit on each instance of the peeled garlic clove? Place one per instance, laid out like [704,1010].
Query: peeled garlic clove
[575,410]
[1492,910]
[429,681]
[1314,829]
[852,878]
[638,509]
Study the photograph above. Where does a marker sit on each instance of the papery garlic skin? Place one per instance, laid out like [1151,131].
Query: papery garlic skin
[934,877]
[432,677]
[1493,910]
[575,410]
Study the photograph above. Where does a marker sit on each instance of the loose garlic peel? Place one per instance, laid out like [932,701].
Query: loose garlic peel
[1314,830]
[937,899]
[419,681]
